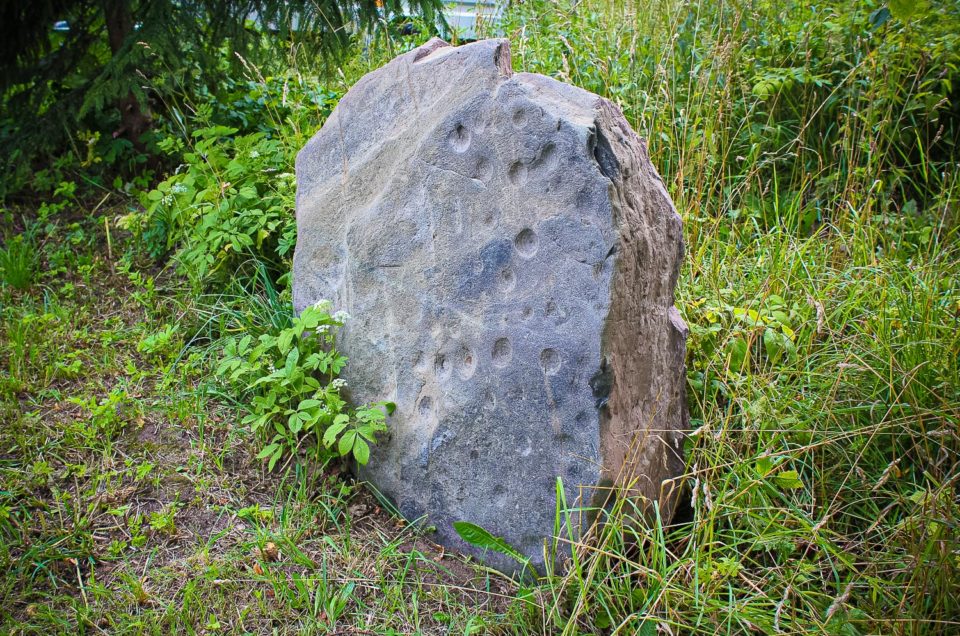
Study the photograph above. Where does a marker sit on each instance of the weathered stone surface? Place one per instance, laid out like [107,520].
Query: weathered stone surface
[509,257]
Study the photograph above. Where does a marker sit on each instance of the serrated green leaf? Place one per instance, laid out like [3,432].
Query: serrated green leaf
[285,341]
[310,318]
[367,433]
[292,358]
[295,424]
[334,430]
[346,443]
[361,450]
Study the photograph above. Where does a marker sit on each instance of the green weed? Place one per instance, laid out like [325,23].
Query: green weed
[19,262]
[290,378]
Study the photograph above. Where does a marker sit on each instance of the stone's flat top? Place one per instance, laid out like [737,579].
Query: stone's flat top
[472,221]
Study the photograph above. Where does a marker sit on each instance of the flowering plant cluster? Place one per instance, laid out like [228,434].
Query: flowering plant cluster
[290,379]
[228,203]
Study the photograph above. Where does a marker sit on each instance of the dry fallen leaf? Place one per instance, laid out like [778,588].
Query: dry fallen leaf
[270,551]
[117,496]
[257,569]
[357,510]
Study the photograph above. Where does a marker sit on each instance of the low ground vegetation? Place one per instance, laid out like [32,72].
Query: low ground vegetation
[169,464]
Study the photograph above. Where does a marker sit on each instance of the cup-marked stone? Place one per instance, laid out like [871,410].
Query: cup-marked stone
[509,256]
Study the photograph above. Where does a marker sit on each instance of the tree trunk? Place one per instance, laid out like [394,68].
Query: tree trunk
[134,119]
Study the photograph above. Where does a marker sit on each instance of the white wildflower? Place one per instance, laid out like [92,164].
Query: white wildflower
[323,304]
[341,316]
[323,328]
[339,383]
[178,188]
[254,154]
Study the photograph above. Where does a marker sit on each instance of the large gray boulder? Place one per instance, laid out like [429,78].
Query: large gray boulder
[508,255]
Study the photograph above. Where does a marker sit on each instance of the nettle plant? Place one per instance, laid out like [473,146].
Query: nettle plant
[290,378]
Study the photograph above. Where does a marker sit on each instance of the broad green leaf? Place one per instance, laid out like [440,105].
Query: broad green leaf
[738,355]
[270,448]
[309,319]
[334,430]
[285,341]
[789,479]
[361,450]
[647,628]
[879,17]
[275,458]
[226,365]
[477,536]
[292,358]
[346,443]
[772,344]
[367,433]
[295,424]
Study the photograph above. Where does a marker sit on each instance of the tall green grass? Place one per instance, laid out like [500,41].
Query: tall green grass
[19,262]
[811,151]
